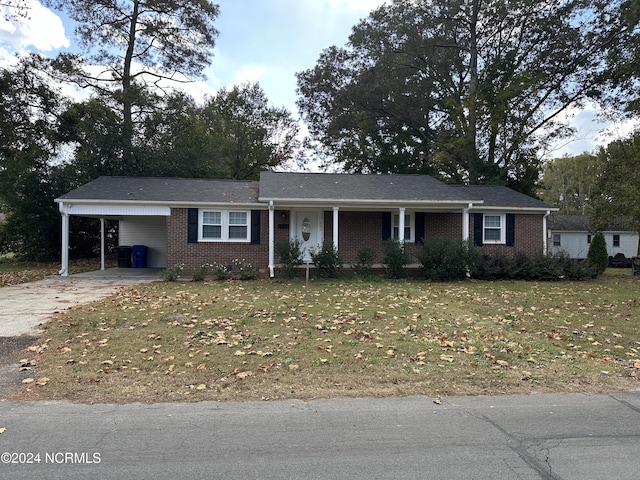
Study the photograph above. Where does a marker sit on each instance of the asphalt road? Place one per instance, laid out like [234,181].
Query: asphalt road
[561,437]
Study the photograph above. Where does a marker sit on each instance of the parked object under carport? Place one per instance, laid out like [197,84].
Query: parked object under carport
[124,256]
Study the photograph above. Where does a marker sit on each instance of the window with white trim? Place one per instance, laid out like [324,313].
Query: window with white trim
[616,240]
[494,229]
[556,240]
[408,230]
[224,226]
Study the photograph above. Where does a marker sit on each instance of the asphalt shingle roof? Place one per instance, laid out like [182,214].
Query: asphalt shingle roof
[298,187]
[497,196]
[337,186]
[302,186]
[167,190]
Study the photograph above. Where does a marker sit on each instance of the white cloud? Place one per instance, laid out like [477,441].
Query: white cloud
[250,74]
[42,30]
[364,6]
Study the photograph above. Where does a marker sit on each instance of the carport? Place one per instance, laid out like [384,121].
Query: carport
[138,224]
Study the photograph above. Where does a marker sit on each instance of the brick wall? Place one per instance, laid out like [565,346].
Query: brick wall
[528,237]
[194,255]
[357,229]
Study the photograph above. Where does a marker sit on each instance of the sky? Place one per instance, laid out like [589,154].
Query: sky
[269,41]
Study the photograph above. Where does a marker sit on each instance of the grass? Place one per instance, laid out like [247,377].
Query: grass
[188,341]
[13,272]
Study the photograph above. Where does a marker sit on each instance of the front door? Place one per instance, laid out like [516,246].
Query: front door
[307,230]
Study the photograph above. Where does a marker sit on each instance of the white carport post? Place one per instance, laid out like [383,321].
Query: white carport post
[272,237]
[64,270]
[335,227]
[101,243]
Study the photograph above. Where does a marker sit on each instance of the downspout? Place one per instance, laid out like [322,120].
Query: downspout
[271,240]
[102,244]
[335,227]
[545,245]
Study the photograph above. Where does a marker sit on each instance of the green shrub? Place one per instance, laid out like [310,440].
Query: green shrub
[246,270]
[444,259]
[172,274]
[222,272]
[327,259]
[597,255]
[290,254]
[364,262]
[537,267]
[198,274]
[395,258]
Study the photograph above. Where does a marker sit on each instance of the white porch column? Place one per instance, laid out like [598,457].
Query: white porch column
[401,225]
[335,227]
[272,236]
[465,223]
[64,270]
[102,244]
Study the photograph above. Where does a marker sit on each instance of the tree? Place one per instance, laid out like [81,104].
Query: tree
[597,254]
[247,135]
[468,90]
[178,142]
[28,113]
[140,45]
[617,196]
[621,79]
[569,183]
[15,9]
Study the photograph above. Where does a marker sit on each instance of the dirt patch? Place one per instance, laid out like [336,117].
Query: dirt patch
[12,350]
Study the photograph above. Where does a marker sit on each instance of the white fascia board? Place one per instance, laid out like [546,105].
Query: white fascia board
[123,207]
[504,209]
[104,209]
[364,204]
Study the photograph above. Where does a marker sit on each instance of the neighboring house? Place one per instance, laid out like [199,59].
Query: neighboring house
[570,234]
[195,221]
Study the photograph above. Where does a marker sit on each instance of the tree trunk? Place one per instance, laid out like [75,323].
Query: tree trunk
[128,156]
[472,152]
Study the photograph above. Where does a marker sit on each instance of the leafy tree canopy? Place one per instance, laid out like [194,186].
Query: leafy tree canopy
[570,182]
[617,195]
[467,90]
[138,46]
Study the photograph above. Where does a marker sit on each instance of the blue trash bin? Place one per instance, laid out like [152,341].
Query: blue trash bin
[139,254]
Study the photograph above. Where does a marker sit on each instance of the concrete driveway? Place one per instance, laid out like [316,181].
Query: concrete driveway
[25,307]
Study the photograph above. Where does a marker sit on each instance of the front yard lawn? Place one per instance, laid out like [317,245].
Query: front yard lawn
[233,340]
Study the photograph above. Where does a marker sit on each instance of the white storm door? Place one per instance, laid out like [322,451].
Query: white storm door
[308,229]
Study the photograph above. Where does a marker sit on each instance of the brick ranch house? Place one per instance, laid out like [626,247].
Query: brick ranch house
[197,221]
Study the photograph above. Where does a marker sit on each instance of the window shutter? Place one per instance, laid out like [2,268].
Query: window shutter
[419,228]
[255,227]
[511,229]
[478,228]
[192,225]
[386,225]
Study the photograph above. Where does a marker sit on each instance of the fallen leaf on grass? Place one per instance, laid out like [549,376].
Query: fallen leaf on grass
[28,380]
[42,381]
[243,375]
[3,429]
